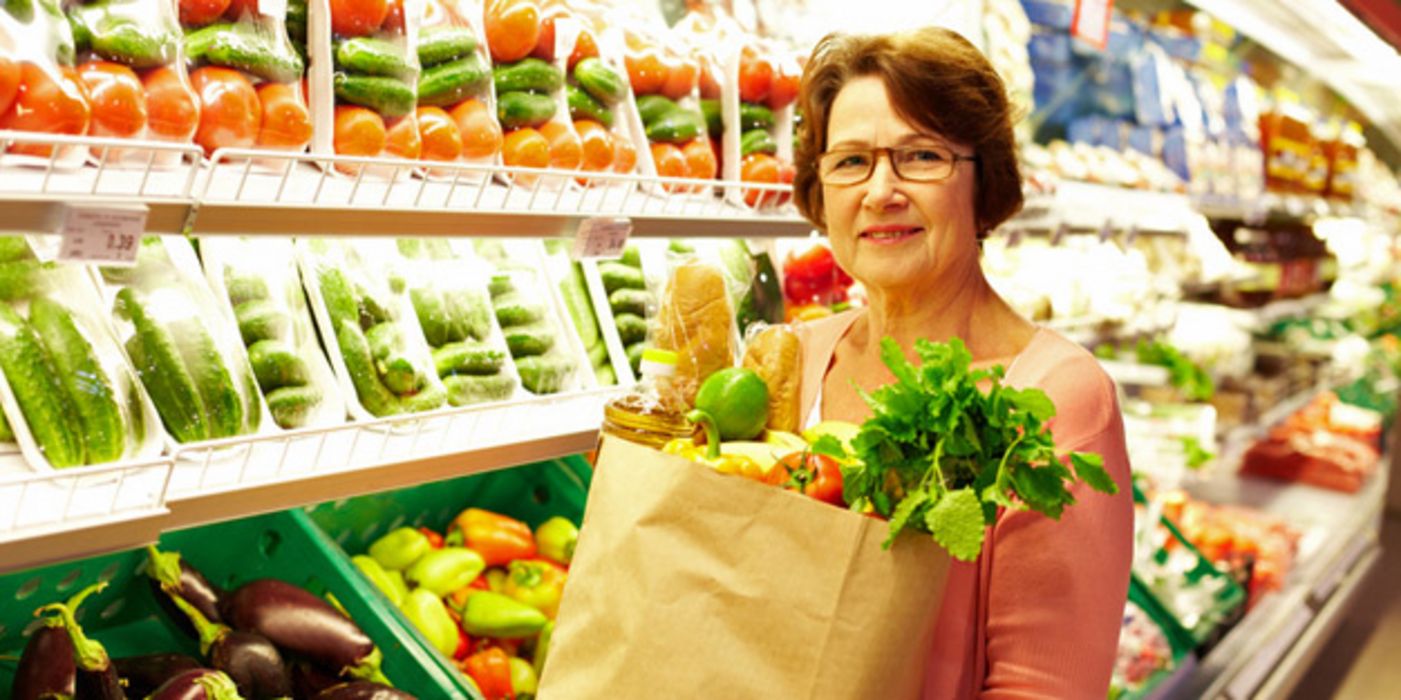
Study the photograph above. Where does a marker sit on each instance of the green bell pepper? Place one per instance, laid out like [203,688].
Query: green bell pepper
[445,570]
[427,612]
[377,575]
[400,548]
[556,538]
[488,614]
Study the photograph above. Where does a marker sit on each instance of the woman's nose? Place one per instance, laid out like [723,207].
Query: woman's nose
[882,188]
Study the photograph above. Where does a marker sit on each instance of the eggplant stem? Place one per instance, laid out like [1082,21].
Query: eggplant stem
[369,668]
[209,632]
[89,653]
[218,686]
[164,567]
[712,433]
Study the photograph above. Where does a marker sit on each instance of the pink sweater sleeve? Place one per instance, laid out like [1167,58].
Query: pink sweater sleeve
[1055,590]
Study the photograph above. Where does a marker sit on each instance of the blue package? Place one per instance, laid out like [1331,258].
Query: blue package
[1177,44]
[1175,152]
[1049,49]
[1151,104]
[1144,139]
[1055,14]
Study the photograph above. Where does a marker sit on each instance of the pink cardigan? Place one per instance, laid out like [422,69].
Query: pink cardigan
[1038,614]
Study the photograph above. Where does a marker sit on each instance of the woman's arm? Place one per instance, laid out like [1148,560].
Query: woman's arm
[1056,589]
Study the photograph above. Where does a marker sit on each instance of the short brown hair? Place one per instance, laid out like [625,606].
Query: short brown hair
[937,81]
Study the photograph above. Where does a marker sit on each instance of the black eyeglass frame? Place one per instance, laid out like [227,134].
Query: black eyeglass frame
[888,151]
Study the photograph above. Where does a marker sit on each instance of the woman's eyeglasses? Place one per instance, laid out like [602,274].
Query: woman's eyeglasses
[912,163]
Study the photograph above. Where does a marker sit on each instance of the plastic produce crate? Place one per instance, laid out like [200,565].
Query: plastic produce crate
[532,493]
[127,620]
[1178,640]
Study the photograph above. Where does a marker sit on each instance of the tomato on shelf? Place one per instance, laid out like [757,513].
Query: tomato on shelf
[646,71]
[47,105]
[230,112]
[352,18]
[783,90]
[478,128]
[526,148]
[9,83]
[286,122]
[512,29]
[394,17]
[197,13]
[755,76]
[439,134]
[624,156]
[117,99]
[682,75]
[584,47]
[671,162]
[237,8]
[401,139]
[359,131]
[565,149]
[545,44]
[700,159]
[171,110]
[597,148]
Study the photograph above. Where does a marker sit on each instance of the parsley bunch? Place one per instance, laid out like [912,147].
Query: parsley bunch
[940,455]
[1194,382]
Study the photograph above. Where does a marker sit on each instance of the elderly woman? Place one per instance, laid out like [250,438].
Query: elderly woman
[907,162]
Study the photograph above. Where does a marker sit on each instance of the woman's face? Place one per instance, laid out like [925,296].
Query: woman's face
[888,233]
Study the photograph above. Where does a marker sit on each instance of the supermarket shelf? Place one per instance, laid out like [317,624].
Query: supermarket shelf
[1274,208]
[1078,207]
[223,479]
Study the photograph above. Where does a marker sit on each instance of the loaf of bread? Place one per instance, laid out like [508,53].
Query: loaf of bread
[776,355]
[695,323]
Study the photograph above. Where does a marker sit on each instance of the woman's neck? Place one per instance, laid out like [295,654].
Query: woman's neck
[937,312]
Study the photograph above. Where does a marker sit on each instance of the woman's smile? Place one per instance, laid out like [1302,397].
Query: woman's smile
[889,234]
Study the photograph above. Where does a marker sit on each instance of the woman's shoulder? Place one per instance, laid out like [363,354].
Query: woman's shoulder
[826,329]
[1085,396]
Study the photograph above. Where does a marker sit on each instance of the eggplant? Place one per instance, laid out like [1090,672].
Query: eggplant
[96,676]
[143,674]
[301,623]
[200,684]
[169,572]
[248,658]
[308,680]
[362,690]
[46,668]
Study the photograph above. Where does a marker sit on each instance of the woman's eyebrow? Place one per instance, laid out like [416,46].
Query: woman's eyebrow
[912,137]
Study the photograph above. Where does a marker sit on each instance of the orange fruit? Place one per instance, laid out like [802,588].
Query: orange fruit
[646,71]
[681,80]
[401,140]
[624,156]
[512,29]
[230,113]
[565,150]
[48,105]
[172,109]
[116,97]
[759,167]
[480,132]
[350,18]
[358,131]
[671,162]
[286,122]
[597,148]
[439,134]
[584,47]
[700,160]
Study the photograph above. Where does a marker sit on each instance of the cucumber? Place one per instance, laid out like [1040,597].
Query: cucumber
[52,418]
[470,312]
[223,403]
[443,44]
[619,276]
[543,375]
[19,279]
[598,354]
[449,83]
[360,365]
[242,47]
[88,386]
[374,310]
[154,354]
[340,300]
[118,38]
[600,81]
[276,365]
[7,434]
[432,316]
[576,300]
[466,390]
[752,116]
[629,301]
[714,122]
[584,106]
[370,56]
[467,358]
[500,285]
[529,75]
[654,107]
[260,319]
[512,310]
[604,375]
[14,248]
[529,340]
[677,126]
[632,257]
[252,401]
[757,141]
[631,328]
[429,398]
[390,97]
[385,339]
[524,109]
[634,352]
[244,288]
[396,368]
[292,406]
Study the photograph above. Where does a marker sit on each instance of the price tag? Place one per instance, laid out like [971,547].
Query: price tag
[1091,21]
[601,237]
[109,235]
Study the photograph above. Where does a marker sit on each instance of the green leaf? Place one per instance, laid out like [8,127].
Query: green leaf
[894,358]
[1033,401]
[956,522]
[830,446]
[903,512]
[1089,467]
[1041,490]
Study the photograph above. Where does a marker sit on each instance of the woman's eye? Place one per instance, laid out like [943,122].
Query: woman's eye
[924,155]
[852,161]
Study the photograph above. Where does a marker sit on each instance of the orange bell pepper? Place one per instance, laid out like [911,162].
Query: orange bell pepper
[498,538]
[491,671]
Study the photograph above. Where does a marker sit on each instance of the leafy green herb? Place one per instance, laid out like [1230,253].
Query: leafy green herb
[940,455]
[1196,454]
[1183,373]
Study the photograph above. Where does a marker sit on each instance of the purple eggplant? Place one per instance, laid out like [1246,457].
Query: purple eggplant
[143,674]
[200,684]
[46,668]
[308,680]
[249,659]
[97,677]
[299,622]
[362,690]
[169,572]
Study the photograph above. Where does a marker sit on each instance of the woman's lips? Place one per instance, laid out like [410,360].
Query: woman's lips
[887,235]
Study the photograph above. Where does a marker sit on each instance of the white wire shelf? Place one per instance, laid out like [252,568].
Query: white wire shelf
[80,512]
[256,192]
[1080,207]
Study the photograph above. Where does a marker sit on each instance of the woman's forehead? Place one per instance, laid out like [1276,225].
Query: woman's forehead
[863,113]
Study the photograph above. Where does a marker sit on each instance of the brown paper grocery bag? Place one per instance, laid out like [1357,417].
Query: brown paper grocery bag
[689,583]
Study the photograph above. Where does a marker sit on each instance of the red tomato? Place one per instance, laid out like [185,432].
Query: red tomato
[238,7]
[755,76]
[545,45]
[584,47]
[357,17]
[783,91]
[172,111]
[512,29]
[9,83]
[195,13]
[286,121]
[681,78]
[394,18]
[117,99]
[816,476]
[700,160]
[46,105]
[646,71]
[230,113]
[709,85]
[759,167]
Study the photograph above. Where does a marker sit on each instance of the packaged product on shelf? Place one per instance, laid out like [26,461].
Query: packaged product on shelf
[757,110]
[1202,600]
[695,321]
[41,90]
[454,310]
[581,290]
[247,75]
[814,285]
[1150,649]
[1327,443]
[665,82]
[186,351]
[69,396]
[128,54]
[261,290]
[456,105]
[548,360]
[1256,548]
[601,102]
[359,297]
[364,81]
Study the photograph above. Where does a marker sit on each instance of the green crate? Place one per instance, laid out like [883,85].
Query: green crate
[127,620]
[1178,640]
[533,493]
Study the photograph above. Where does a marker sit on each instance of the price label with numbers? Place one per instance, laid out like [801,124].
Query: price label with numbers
[109,234]
[601,237]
